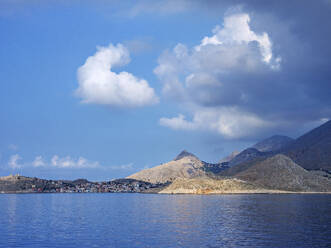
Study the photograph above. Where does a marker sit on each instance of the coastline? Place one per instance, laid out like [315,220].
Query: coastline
[243,192]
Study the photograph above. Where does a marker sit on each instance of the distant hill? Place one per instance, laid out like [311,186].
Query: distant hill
[22,184]
[280,172]
[247,155]
[273,143]
[277,174]
[312,150]
[185,165]
[229,157]
[264,148]
[234,170]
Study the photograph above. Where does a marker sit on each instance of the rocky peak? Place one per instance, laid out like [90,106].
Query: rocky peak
[184,154]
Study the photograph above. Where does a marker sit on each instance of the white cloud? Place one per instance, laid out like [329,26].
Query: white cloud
[228,122]
[69,162]
[178,123]
[122,167]
[209,79]
[38,161]
[233,48]
[99,84]
[61,163]
[13,161]
[236,30]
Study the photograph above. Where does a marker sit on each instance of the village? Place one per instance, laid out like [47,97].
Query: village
[21,184]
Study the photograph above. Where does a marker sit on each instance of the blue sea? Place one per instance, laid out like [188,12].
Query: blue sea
[150,220]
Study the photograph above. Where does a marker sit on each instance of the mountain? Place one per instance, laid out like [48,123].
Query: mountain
[280,172]
[185,165]
[312,150]
[273,143]
[264,148]
[247,155]
[277,174]
[234,170]
[184,154]
[229,157]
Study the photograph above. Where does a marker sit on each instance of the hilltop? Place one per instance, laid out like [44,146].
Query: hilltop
[184,165]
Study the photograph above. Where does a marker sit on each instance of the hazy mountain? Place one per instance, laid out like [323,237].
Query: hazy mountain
[229,157]
[247,155]
[264,148]
[185,165]
[273,143]
[312,150]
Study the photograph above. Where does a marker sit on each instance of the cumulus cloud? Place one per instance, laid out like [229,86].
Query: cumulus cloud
[228,122]
[13,161]
[212,78]
[100,85]
[236,31]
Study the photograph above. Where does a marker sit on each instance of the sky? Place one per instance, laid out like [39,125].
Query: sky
[102,89]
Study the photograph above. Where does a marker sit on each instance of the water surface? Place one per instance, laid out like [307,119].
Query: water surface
[148,220]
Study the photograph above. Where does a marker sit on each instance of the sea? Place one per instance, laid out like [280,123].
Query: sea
[152,220]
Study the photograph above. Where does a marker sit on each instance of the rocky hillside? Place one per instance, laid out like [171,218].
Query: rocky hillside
[264,148]
[273,143]
[277,174]
[312,150]
[185,165]
[212,186]
[281,173]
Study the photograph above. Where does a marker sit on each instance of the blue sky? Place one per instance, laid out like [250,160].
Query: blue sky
[202,76]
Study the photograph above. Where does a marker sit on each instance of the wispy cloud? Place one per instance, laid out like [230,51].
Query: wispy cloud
[122,167]
[38,161]
[66,162]
[13,161]
[69,162]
